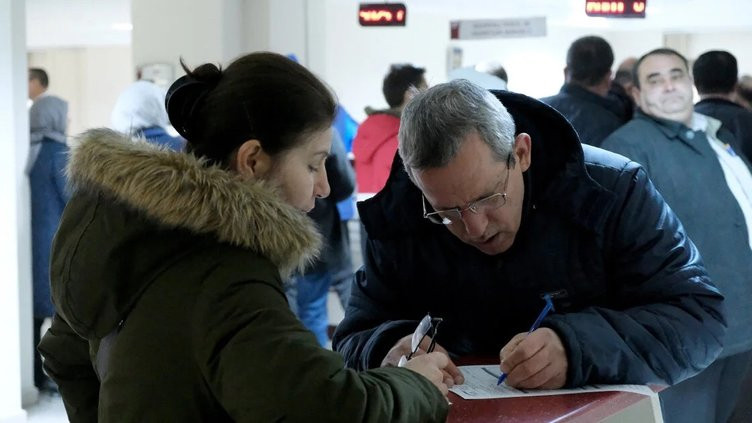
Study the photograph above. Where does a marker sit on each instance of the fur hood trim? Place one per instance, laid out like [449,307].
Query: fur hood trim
[179,190]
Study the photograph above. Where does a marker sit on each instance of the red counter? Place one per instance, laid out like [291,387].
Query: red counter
[621,407]
[589,407]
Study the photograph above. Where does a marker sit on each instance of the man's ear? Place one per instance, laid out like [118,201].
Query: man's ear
[251,161]
[523,150]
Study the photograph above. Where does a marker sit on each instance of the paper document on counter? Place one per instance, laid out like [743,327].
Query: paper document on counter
[480,383]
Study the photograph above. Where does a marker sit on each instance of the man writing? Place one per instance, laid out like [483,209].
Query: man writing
[498,204]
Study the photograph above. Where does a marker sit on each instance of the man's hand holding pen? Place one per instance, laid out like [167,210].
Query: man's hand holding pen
[535,360]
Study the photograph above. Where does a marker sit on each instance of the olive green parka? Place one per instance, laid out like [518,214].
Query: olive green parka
[167,280]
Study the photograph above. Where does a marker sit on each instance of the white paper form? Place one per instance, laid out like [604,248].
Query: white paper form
[480,383]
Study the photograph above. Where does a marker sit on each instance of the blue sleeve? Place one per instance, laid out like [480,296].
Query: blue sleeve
[676,326]
[370,328]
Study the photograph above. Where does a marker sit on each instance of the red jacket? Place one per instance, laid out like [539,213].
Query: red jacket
[374,147]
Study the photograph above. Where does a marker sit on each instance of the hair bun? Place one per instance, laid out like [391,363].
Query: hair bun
[186,95]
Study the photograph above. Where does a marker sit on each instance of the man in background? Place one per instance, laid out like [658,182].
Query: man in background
[622,85]
[688,158]
[375,143]
[583,99]
[716,77]
[48,121]
[38,82]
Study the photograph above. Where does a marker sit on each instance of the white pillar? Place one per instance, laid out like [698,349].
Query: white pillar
[15,248]
[198,31]
[218,31]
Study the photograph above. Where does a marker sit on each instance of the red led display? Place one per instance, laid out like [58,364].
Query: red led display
[616,9]
[382,14]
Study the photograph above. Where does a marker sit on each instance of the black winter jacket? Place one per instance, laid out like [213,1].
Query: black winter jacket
[635,304]
[735,118]
[594,117]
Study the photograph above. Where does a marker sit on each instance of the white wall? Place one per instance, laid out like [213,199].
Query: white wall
[354,59]
[737,43]
[198,31]
[14,214]
[89,78]
[535,66]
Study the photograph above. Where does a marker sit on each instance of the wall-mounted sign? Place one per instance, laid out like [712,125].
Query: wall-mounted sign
[616,9]
[382,14]
[497,28]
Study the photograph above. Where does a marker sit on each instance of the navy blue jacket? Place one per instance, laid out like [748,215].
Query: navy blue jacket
[594,117]
[685,169]
[735,118]
[48,199]
[636,304]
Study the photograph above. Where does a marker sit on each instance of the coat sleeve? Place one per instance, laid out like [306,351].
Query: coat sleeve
[676,325]
[263,365]
[67,362]
[371,326]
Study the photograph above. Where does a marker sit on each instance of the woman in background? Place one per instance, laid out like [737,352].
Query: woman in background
[140,112]
[167,268]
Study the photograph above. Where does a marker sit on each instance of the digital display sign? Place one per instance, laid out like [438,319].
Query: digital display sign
[616,9]
[382,14]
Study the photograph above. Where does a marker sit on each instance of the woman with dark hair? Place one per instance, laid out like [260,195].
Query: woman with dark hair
[167,268]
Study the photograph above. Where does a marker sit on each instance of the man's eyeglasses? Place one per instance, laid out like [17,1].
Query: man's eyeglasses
[485,204]
[426,325]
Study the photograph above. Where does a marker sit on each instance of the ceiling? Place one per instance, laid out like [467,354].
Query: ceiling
[66,23]
[76,23]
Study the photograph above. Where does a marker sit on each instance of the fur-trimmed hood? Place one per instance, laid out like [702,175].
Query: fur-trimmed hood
[179,190]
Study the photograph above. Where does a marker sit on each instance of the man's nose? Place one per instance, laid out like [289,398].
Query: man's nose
[475,223]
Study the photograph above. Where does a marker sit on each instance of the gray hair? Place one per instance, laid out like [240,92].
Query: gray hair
[435,123]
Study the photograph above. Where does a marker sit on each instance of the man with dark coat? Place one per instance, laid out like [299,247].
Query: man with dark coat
[584,98]
[497,204]
[716,75]
[689,158]
[48,155]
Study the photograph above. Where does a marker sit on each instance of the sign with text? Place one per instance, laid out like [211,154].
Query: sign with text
[616,9]
[480,29]
[382,14]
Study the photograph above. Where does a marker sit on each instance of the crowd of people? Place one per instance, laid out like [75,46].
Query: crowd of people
[207,258]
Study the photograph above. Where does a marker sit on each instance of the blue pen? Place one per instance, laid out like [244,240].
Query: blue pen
[547,308]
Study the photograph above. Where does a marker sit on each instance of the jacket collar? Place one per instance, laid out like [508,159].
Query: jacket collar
[720,102]
[179,190]
[674,130]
